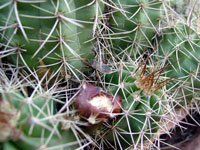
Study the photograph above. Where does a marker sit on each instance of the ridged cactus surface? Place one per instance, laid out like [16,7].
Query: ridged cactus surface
[142,105]
[49,34]
[29,122]
[134,23]
[178,48]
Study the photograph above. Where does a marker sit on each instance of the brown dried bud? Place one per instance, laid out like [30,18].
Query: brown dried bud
[94,104]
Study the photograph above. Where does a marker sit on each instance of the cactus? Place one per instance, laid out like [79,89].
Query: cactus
[28,122]
[134,24]
[179,48]
[49,34]
[143,105]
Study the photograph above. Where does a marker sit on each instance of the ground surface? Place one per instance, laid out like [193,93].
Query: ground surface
[186,137]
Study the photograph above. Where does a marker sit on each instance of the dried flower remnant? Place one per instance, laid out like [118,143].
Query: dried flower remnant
[95,105]
[148,84]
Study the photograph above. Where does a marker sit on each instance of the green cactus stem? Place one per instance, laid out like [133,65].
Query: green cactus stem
[143,105]
[179,49]
[49,34]
[30,122]
[134,24]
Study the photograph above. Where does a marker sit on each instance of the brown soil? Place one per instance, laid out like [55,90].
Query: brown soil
[186,137]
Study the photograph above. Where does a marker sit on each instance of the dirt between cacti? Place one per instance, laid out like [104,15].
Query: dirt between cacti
[186,136]
[191,143]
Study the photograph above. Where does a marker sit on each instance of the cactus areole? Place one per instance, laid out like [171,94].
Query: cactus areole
[95,105]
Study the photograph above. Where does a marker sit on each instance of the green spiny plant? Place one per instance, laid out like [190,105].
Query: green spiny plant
[143,104]
[28,120]
[49,34]
[178,47]
[134,24]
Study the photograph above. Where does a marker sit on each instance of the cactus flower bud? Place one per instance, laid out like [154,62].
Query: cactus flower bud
[94,104]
